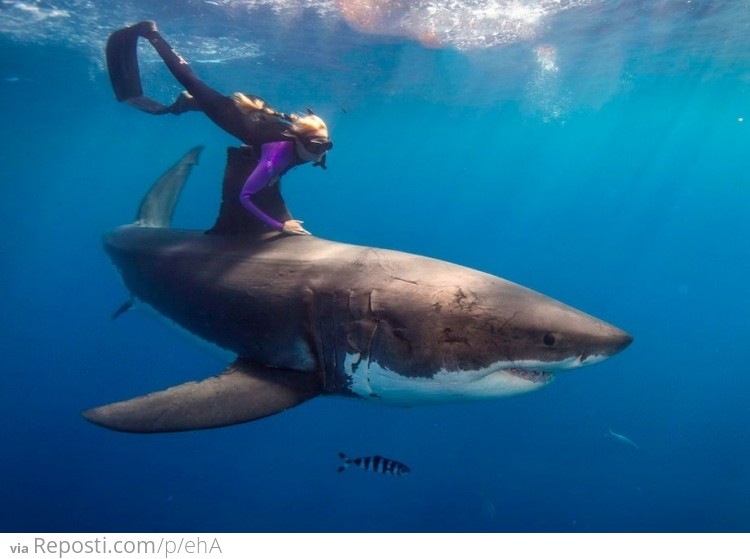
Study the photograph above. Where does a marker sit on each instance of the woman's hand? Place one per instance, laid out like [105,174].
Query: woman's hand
[294,227]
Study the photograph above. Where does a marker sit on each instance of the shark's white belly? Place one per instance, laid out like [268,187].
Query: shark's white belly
[379,384]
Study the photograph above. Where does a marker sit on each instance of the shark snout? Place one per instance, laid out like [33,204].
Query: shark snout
[605,345]
[617,341]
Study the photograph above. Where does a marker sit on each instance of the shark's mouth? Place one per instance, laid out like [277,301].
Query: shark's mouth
[532,375]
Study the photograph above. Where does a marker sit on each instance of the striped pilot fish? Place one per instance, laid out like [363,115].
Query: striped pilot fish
[375,463]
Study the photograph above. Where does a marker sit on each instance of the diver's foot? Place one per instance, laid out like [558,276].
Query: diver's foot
[184,103]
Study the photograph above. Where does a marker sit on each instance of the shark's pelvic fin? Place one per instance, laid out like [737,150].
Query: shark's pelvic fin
[244,391]
[122,309]
[158,205]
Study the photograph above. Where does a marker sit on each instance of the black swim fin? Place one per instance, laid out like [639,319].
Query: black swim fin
[124,73]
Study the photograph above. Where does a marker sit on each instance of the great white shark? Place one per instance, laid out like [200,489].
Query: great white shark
[304,316]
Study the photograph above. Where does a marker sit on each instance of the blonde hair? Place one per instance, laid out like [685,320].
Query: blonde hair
[309,125]
[302,125]
[250,103]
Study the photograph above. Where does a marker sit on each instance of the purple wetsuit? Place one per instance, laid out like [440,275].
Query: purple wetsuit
[276,158]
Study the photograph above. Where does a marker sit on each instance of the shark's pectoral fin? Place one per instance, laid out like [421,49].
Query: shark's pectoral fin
[244,391]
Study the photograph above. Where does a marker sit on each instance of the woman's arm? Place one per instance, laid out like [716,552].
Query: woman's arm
[276,158]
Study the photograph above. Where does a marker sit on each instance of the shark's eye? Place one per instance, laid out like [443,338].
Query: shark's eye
[549,340]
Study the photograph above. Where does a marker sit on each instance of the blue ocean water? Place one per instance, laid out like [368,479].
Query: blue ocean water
[594,151]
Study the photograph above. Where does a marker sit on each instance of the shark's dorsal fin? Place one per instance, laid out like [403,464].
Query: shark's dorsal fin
[244,391]
[157,207]
[233,218]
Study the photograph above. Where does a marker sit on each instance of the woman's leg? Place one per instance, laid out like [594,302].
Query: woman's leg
[122,62]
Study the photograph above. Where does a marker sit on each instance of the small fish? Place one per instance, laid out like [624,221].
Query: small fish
[375,463]
[622,438]
[488,507]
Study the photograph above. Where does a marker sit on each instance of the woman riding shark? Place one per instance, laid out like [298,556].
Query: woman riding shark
[277,141]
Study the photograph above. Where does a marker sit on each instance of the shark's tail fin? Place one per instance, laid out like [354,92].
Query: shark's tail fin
[157,207]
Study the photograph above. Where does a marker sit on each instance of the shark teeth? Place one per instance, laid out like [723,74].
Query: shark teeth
[531,375]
